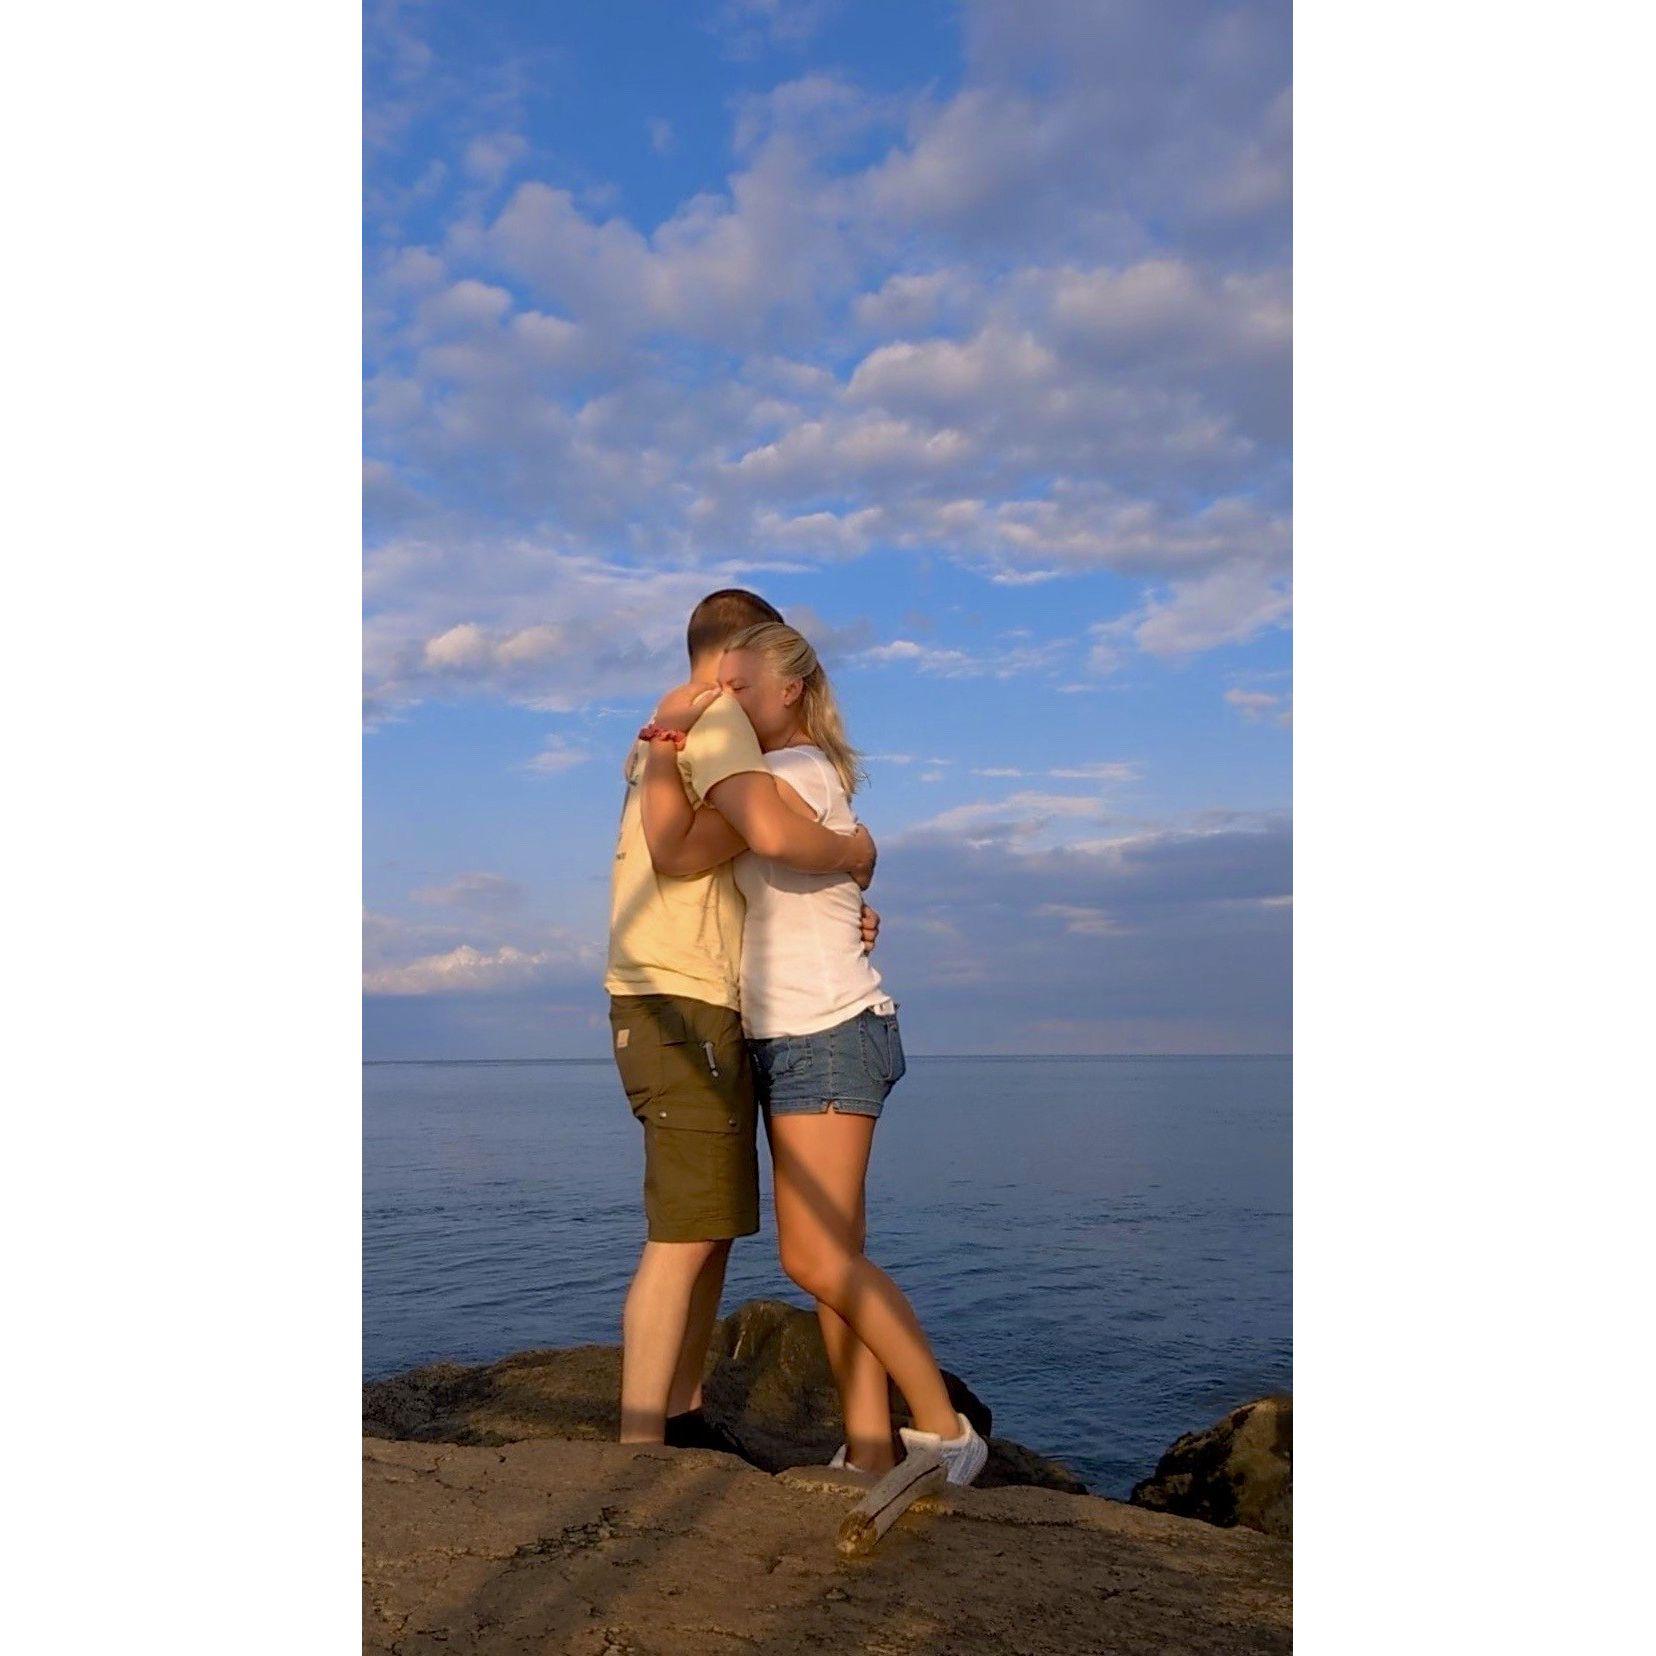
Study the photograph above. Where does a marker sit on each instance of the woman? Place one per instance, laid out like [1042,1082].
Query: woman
[826,1049]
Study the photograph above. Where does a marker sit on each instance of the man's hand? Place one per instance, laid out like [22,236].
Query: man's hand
[863,854]
[870,929]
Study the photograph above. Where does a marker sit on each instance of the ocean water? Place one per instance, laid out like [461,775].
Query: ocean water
[1100,1247]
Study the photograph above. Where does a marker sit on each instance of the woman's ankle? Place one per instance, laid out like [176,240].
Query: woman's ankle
[871,1454]
[946,1426]
[872,1462]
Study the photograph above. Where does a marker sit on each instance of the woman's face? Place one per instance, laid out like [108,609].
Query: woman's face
[770,701]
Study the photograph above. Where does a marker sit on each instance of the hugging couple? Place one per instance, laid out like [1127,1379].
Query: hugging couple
[740,983]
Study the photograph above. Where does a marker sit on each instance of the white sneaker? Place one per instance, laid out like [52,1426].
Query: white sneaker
[963,1457]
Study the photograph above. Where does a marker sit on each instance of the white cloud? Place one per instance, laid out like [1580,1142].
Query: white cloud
[1184,98]
[1100,770]
[1019,821]
[999,661]
[1255,705]
[1180,930]
[1032,333]
[547,629]
[478,890]
[750,26]
[1080,921]
[557,756]
[917,301]
[1229,605]
[1094,770]
[488,945]
[490,157]
[462,971]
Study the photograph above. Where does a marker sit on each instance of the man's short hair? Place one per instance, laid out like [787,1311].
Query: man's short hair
[721,615]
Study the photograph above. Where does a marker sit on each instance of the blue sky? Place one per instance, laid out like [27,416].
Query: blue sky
[959,331]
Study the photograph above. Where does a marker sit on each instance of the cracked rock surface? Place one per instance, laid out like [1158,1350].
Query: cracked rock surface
[593,1548]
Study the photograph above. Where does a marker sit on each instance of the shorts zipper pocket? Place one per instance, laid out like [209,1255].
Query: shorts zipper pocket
[712,1063]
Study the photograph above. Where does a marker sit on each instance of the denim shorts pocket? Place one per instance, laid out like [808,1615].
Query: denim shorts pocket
[781,1059]
[883,1043]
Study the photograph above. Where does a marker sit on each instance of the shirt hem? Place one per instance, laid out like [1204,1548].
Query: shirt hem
[815,1026]
[673,983]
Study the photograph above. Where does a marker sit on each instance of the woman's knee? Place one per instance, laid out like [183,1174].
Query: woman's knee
[817,1271]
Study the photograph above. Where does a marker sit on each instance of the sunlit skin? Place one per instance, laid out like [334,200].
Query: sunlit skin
[770,701]
[820,1163]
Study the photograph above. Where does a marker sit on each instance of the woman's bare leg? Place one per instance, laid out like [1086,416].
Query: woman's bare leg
[819,1163]
[865,1398]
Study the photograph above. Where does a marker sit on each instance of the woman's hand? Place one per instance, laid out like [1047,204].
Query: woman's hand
[861,857]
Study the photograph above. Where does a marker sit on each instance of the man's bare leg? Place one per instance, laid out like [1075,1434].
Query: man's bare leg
[686,1391]
[653,1328]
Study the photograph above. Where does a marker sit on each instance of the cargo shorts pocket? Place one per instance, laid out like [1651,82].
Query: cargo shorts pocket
[645,1035]
[691,1115]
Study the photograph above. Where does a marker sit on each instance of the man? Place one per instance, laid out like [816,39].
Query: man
[673,975]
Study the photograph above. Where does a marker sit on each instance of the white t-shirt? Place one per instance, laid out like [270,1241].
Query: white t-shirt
[803,966]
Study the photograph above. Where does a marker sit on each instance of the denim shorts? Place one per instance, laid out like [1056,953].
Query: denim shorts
[852,1066]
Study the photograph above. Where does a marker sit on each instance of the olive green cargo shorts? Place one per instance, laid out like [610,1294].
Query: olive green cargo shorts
[689,1080]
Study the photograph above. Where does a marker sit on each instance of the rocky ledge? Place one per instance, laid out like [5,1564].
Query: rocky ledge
[500,1515]
[608,1549]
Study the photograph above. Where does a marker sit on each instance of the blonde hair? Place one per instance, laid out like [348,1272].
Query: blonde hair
[790,654]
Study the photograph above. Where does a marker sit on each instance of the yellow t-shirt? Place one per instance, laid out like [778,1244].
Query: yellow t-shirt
[680,934]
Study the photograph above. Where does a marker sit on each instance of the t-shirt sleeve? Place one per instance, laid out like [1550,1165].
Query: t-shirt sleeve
[721,743]
[804,773]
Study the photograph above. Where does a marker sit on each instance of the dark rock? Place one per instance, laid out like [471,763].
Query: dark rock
[1010,1465]
[533,1394]
[769,1387]
[1238,1471]
[768,1392]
